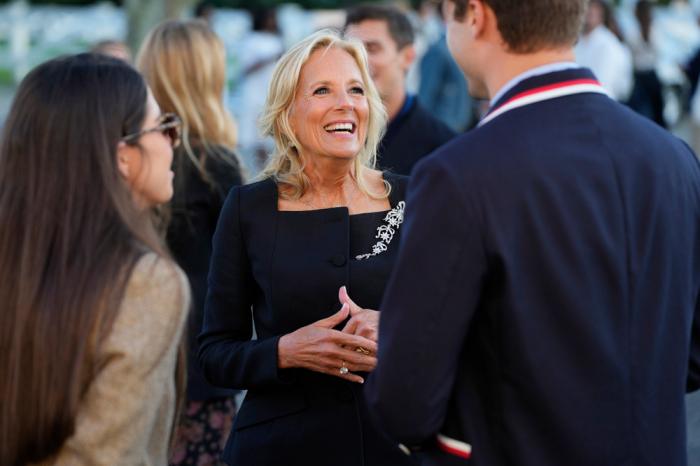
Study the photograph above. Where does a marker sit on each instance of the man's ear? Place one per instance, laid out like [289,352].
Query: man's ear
[124,159]
[477,17]
[408,56]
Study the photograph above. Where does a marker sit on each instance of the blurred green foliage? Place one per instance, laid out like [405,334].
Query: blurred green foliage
[6,77]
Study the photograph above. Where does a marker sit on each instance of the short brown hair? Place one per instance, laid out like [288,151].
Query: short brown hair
[531,25]
[400,27]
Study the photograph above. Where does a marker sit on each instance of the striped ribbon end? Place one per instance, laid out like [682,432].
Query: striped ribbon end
[454,447]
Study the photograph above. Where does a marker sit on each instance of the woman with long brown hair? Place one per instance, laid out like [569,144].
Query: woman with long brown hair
[184,63]
[92,308]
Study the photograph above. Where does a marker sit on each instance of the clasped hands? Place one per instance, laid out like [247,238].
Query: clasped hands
[321,348]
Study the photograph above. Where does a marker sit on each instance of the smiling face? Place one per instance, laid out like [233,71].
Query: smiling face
[330,111]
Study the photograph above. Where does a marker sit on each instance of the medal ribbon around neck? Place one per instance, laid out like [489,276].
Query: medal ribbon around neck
[540,94]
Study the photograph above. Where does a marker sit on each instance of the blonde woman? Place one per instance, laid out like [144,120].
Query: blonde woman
[184,64]
[321,226]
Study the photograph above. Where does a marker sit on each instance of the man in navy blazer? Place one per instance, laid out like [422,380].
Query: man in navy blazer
[544,309]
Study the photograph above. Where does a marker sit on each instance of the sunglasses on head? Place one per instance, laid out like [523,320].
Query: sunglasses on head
[170,126]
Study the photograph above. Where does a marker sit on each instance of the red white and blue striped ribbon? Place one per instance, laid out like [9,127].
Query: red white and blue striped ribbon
[540,94]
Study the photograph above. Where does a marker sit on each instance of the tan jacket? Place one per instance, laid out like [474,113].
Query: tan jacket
[127,413]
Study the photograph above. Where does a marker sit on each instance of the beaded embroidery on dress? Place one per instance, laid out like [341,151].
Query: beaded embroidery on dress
[386,231]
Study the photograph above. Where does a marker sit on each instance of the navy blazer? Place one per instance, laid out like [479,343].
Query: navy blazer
[544,308]
[410,136]
[282,271]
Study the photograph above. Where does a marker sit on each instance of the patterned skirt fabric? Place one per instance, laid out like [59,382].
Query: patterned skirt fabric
[202,432]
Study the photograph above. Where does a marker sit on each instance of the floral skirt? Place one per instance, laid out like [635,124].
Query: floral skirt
[202,432]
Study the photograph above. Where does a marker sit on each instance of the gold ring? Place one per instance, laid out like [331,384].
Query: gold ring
[362,349]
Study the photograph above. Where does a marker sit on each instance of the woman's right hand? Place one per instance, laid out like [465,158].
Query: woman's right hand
[319,348]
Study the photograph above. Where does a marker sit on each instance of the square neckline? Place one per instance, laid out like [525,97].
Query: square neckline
[386,176]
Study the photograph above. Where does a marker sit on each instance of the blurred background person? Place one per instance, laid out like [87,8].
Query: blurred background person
[258,52]
[113,48]
[92,307]
[600,49]
[443,90]
[321,218]
[692,72]
[412,132]
[205,11]
[427,27]
[647,94]
[184,64]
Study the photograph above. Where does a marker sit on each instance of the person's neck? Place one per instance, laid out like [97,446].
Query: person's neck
[393,103]
[332,182]
[508,66]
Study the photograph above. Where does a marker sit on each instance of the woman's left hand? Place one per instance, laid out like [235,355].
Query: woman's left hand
[363,322]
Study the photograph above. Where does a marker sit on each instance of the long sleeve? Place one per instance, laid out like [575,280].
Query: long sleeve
[227,355]
[428,306]
[127,412]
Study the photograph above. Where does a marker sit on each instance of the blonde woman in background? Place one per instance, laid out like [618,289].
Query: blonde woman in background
[184,64]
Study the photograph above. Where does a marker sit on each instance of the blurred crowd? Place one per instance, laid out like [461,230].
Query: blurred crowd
[646,54]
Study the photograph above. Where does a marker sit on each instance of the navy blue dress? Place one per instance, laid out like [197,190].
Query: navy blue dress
[280,271]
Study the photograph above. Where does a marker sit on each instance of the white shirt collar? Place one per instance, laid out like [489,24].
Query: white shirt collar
[540,70]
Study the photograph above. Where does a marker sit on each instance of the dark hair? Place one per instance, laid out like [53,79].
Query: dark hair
[264,18]
[203,9]
[400,28]
[71,237]
[533,25]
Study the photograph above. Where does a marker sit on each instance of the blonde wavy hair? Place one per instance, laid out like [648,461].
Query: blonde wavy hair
[184,63]
[285,164]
